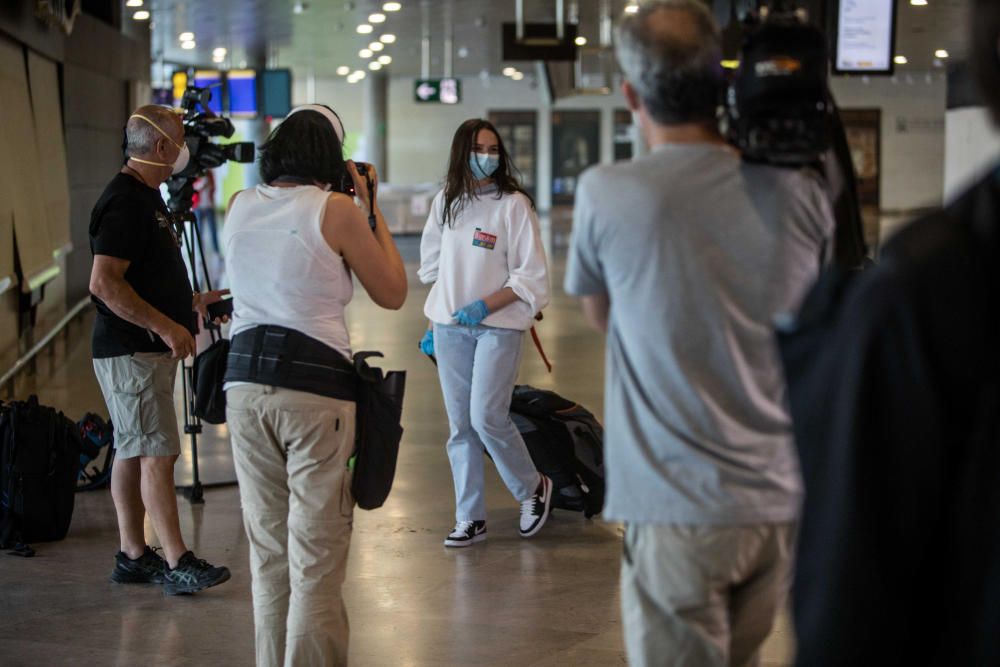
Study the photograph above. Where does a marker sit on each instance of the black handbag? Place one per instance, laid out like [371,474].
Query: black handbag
[209,374]
[380,407]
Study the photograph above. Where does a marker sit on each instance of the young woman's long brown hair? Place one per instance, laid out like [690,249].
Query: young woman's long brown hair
[460,184]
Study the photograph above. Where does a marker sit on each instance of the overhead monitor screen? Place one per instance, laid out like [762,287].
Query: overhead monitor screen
[275,92]
[865,36]
[211,79]
[242,84]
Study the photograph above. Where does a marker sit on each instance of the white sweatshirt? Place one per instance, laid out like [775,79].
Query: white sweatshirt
[491,244]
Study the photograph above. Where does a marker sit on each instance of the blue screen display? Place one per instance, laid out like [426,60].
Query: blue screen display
[242,85]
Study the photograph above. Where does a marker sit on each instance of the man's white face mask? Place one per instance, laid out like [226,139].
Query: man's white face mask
[183,155]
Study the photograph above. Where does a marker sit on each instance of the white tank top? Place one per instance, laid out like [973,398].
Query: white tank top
[280,268]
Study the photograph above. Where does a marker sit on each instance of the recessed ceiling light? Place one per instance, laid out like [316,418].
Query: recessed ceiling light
[391,7]
[343,70]
[941,53]
[374,65]
[359,74]
[185,36]
[365,53]
[900,60]
[508,71]
[141,15]
[218,59]
[385,60]
[188,45]
[219,51]
[376,46]
[134,3]
[580,41]
[918,3]
[364,29]
[376,18]
[517,76]
[387,38]
[631,8]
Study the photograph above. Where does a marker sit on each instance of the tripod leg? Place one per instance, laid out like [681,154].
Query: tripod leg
[192,427]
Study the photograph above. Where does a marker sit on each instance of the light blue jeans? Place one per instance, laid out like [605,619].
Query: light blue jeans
[478,367]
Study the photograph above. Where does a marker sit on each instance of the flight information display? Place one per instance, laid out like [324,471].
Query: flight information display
[865,34]
[242,87]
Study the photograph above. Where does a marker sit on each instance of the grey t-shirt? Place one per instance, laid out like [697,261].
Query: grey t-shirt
[698,252]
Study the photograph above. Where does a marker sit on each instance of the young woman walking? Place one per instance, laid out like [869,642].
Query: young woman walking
[482,250]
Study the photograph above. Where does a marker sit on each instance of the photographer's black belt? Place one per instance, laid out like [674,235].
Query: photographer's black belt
[282,357]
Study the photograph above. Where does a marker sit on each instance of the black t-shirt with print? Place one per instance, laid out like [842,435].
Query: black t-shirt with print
[130,222]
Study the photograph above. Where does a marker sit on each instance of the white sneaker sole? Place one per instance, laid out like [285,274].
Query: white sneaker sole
[548,508]
[458,544]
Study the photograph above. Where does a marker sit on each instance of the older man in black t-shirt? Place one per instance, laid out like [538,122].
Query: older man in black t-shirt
[145,324]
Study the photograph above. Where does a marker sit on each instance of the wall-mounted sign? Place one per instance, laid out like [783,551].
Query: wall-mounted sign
[444,91]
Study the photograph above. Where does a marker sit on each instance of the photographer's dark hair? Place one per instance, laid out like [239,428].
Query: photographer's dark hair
[985,54]
[676,70]
[460,184]
[303,146]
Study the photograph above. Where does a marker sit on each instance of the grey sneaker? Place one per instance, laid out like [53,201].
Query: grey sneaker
[192,575]
[148,568]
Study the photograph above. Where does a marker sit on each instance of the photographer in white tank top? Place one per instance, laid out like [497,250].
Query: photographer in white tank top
[288,245]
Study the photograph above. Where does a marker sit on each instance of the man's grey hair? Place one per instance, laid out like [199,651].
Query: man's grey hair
[677,73]
[140,136]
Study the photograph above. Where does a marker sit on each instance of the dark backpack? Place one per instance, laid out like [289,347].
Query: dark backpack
[97,454]
[566,443]
[39,466]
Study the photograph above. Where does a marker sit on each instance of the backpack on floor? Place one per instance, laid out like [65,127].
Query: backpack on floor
[97,452]
[39,466]
[566,443]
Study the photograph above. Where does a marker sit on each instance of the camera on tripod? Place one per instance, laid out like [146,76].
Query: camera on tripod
[200,128]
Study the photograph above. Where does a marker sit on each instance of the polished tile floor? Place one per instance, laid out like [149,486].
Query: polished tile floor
[552,600]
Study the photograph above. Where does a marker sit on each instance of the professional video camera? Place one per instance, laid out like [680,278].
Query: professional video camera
[200,126]
[780,111]
[779,106]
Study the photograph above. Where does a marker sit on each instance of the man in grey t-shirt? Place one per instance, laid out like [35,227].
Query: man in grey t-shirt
[684,257]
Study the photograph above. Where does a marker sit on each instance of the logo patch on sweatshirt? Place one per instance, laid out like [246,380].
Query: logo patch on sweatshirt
[483,240]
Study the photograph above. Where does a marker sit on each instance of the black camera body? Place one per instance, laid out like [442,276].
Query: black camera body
[346,184]
[778,104]
[200,127]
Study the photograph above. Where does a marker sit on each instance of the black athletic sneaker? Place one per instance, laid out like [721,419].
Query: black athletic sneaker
[535,510]
[466,533]
[148,568]
[192,575]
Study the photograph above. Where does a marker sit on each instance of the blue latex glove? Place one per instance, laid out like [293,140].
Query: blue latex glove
[472,314]
[427,343]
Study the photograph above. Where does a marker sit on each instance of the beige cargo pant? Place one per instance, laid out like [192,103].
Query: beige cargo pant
[702,596]
[291,450]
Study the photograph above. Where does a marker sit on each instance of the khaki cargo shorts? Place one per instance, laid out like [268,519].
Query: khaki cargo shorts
[139,392]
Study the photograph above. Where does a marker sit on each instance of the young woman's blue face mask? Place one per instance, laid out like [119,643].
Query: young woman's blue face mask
[483,165]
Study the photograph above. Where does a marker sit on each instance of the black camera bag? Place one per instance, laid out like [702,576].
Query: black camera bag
[39,466]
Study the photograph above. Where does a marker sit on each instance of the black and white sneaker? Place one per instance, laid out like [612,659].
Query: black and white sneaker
[192,575]
[149,568]
[535,510]
[466,533]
